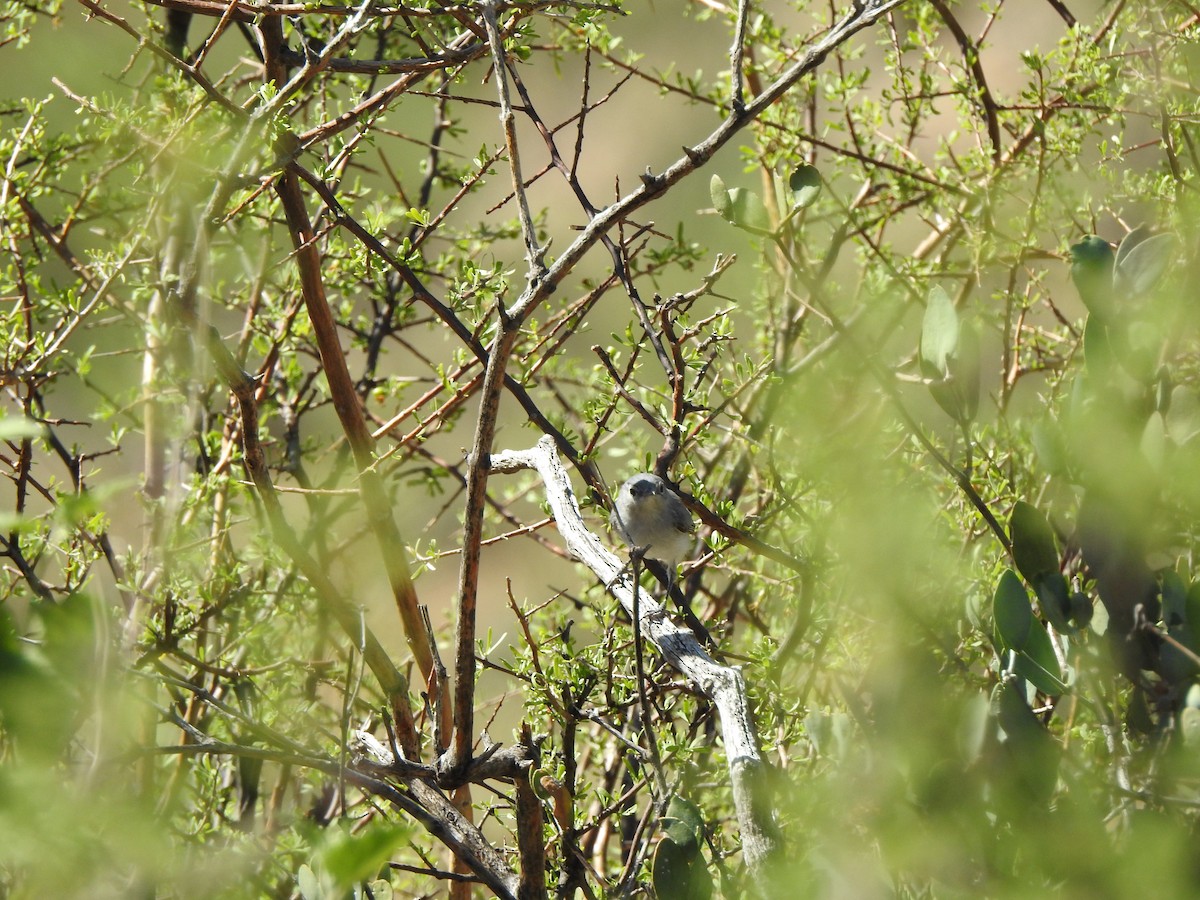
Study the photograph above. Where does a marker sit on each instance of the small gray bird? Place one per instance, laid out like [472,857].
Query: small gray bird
[648,515]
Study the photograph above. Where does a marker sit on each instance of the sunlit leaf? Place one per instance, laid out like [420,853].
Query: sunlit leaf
[939,334]
[805,185]
[739,206]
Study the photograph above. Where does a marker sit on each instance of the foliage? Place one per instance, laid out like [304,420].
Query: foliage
[922,361]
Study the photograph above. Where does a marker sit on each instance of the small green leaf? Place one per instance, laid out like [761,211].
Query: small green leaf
[805,185]
[1033,542]
[939,334]
[1012,611]
[720,197]
[739,207]
[1081,609]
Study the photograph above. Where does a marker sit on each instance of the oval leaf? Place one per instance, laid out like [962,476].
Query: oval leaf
[1033,542]
[1183,415]
[739,206]
[1141,267]
[805,185]
[748,211]
[939,334]
[720,197]
[1054,599]
[1037,663]
[684,823]
[1012,612]
[1092,272]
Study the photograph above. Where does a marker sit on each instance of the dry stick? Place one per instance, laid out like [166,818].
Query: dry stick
[722,685]
[531,843]
[349,410]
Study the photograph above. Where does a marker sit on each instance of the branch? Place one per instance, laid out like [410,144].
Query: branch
[349,410]
[533,253]
[654,186]
[723,685]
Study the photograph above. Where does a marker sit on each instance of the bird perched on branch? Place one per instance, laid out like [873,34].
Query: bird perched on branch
[649,517]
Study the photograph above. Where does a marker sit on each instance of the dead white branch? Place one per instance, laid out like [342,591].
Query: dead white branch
[723,685]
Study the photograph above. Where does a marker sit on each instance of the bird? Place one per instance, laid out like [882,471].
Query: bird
[651,519]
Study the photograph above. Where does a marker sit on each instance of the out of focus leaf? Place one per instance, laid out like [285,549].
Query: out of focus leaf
[1032,541]
[684,823]
[1140,267]
[1183,415]
[1092,271]
[939,334]
[17,428]
[352,858]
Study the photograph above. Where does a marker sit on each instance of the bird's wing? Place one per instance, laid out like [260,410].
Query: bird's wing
[683,519]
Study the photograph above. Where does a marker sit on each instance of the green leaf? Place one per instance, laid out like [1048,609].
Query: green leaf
[805,185]
[1054,599]
[1033,542]
[309,884]
[684,823]
[1141,266]
[958,392]
[739,206]
[1174,600]
[1048,444]
[1092,272]
[1082,609]
[720,197]
[1037,663]
[349,859]
[679,874]
[939,334]
[1154,440]
[1012,611]
[18,428]
[1183,415]
[1032,755]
